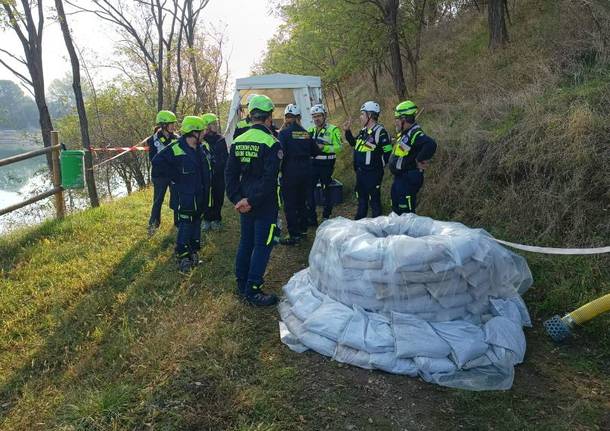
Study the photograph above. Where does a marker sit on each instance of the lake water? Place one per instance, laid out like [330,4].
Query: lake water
[22,180]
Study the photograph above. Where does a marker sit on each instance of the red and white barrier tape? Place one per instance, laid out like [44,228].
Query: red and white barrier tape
[122,151]
[113,149]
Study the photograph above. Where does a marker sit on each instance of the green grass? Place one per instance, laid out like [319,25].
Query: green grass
[99,331]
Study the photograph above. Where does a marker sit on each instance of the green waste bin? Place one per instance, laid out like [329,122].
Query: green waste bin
[72,174]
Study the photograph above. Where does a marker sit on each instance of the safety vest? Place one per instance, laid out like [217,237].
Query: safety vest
[404,144]
[241,124]
[367,142]
[330,137]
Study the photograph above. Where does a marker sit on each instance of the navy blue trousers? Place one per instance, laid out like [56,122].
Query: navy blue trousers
[321,172]
[295,188]
[368,191]
[188,239]
[404,191]
[258,236]
[218,197]
[160,186]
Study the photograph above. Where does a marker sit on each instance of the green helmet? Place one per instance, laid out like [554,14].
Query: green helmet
[164,117]
[208,119]
[260,102]
[405,108]
[191,123]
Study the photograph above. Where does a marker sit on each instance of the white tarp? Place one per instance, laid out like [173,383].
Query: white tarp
[411,295]
[306,92]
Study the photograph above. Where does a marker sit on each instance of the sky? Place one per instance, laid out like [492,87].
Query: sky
[249,25]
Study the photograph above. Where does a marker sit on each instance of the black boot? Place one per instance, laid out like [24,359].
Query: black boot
[255,296]
[195,259]
[185,264]
[240,290]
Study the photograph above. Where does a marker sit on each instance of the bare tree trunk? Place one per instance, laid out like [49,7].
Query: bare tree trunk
[158,16]
[108,181]
[341,98]
[373,72]
[30,36]
[80,104]
[498,34]
[389,12]
[400,87]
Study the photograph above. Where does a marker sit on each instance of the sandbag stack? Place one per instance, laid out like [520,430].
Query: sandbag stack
[411,295]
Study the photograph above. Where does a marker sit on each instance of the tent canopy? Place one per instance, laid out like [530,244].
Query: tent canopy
[283,89]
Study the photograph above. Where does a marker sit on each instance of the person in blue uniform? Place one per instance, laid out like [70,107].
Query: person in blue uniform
[372,148]
[298,149]
[212,218]
[186,162]
[328,139]
[163,136]
[252,186]
[410,157]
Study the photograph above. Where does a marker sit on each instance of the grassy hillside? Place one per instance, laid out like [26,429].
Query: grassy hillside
[524,138]
[99,331]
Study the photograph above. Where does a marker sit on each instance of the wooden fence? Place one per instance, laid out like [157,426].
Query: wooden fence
[57,189]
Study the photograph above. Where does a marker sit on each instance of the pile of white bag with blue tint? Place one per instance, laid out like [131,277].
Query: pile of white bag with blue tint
[414,296]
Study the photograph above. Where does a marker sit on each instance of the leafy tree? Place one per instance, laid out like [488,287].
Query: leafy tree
[17,111]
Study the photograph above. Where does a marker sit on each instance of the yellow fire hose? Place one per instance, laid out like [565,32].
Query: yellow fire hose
[560,328]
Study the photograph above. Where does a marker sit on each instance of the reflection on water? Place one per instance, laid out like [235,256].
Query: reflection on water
[23,180]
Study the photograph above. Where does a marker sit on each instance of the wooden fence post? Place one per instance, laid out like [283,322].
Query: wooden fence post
[60,206]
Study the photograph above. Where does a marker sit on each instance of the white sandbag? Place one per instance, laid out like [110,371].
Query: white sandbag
[452,301]
[415,337]
[291,340]
[390,363]
[503,332]
[411,295]
[318,343]
[447,314]
[379,337]
[467,341]
[305,305]
[355,357]
[329,320]
[449,287]
[429,366]
[510,309]
[294,325]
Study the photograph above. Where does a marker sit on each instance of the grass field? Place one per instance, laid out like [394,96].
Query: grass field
[98,331]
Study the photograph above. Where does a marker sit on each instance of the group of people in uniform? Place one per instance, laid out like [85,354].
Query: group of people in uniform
[265,168]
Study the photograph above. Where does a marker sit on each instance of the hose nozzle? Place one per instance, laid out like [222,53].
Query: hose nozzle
[559,329]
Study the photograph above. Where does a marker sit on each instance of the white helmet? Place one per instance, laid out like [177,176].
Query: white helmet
[317,109]
[292,109]
[371,106]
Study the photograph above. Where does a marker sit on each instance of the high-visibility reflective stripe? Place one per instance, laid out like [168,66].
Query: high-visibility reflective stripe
[409,203]
[270,237]
[178,151]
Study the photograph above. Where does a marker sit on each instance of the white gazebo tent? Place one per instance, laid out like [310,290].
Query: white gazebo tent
[283,89]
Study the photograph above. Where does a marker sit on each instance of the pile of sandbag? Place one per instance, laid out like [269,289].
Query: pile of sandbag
[411,295]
